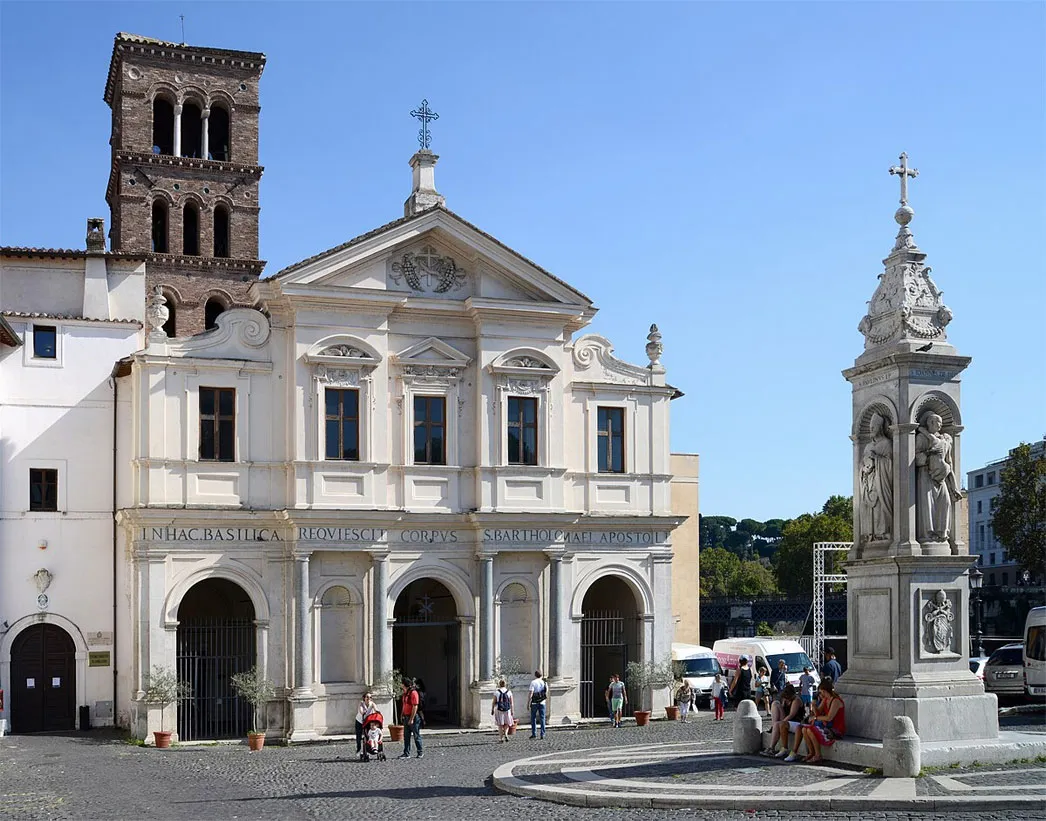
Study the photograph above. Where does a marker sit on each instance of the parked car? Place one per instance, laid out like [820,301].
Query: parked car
[1035,652]
[699,669]
[977,666]
[1004,672]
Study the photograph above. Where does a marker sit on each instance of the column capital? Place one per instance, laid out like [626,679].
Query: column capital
[301,555]
[906,427]
[379,555]
[484,556]
[178,110]
[558,554]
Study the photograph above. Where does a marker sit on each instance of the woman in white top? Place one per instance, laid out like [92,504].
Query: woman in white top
[501,709]
[367,706]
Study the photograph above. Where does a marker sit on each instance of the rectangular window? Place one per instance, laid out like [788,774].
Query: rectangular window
[45,342]
[991,478]
[342,420]
[978,480]
[991,558]
[978,505]
[1005,579]
[522,431]
[430,429]
[991,579]
[43,489]
[980,559]
[217,424]
[611,440]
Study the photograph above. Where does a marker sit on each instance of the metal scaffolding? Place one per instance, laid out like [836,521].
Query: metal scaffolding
[821,580]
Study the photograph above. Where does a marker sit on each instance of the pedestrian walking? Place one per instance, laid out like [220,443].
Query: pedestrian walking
[832,668]
[685,700]
[501,709]
[410,714]
[366,708]
[617,693]
[719,696]
[741,686]
[806,687]
[537,698]
[762,689]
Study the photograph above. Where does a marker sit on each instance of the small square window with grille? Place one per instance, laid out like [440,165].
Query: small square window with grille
[43,489]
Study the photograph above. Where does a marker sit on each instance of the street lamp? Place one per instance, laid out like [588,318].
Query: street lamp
[976,579]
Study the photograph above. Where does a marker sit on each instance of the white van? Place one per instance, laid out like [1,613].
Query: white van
[1035,652]
[699,669]
[765,652]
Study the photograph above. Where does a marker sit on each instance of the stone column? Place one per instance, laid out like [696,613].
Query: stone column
[302,629]
[486,618]
[178,130]
[205,116]
[379,595]
[555,615]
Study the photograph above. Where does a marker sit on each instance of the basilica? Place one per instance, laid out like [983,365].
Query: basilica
[400,455]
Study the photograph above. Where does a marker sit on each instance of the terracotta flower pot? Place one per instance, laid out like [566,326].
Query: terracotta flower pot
[255,741]
[163,739]
[672,712]
[642,718]
[512,728]
[396,732]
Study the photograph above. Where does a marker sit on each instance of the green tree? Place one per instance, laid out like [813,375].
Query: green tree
[751,526]
[772,528]
[752,579]
[1019,511]
[739,543]
[794,560]
[718,569]
[714,529]
[764,629]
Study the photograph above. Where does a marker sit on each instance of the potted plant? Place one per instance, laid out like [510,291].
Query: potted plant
[162,687]
[388,683]
[257,691]
[644,677]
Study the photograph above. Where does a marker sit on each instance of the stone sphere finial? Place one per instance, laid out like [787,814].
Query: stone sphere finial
[904,215]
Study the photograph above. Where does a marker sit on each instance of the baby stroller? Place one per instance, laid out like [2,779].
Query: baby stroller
[373,746]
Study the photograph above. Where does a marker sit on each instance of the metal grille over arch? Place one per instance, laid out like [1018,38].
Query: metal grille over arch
[610,638]
[216,640]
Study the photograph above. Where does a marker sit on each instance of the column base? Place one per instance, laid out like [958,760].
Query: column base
[302,721]
[936,719]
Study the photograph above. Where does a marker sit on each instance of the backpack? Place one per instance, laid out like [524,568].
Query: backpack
[421,699]
[538,696]
[504,701]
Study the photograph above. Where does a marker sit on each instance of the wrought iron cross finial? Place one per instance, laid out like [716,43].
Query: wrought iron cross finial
[904,172]
[424,113]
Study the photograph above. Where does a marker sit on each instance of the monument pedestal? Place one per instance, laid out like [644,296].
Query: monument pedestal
[907,656]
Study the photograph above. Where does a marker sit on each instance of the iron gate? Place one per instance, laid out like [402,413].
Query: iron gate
[604,650]
[210,652]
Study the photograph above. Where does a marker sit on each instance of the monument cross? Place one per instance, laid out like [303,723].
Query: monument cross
[904,172]
[424,113]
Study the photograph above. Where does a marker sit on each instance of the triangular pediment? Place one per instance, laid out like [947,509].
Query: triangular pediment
[433,351]
[432,255]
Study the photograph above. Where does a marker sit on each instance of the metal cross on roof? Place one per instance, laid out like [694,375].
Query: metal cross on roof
[904,172]
[424,113]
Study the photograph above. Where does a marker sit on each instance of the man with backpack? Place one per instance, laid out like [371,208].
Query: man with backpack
[536,699]
[410,714]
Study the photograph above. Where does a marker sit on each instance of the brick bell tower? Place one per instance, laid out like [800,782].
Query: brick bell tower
[183,187]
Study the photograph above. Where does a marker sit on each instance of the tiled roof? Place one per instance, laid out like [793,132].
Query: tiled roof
[216,55]
[61,317]
[60,253]
[404,220]
[8,335]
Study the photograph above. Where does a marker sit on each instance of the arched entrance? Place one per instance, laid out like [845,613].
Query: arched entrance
[215,641]
[609,640]
[43,680]
[426,645]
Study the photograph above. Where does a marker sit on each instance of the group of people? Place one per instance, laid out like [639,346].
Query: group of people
[819,726]
[502,707]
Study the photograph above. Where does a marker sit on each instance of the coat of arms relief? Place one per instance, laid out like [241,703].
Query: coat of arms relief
[427,271]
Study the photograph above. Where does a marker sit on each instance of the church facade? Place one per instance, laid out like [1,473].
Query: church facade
[403,454]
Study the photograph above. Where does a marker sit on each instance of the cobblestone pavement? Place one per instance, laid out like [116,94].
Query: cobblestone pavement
[97,776]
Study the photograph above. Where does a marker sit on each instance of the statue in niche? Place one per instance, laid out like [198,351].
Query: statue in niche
[876,499]
[935,485]
[939,617]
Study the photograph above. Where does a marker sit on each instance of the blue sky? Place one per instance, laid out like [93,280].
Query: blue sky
[717,168]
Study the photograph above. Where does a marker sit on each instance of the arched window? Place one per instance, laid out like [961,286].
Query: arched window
[221,231]
[218,134]
[211,310]
[170,327]
[160,245]
[163,126]
[192,130]
[191,230]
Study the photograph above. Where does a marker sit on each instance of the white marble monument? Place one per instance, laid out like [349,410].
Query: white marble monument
[908,587]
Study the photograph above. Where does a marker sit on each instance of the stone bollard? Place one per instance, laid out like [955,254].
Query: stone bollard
[748,729]
[902,751]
